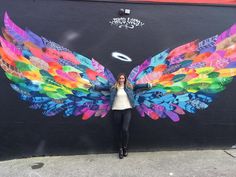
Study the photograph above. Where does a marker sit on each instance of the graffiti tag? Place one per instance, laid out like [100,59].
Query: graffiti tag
[127,23]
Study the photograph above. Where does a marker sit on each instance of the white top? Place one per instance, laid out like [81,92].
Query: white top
[121,101]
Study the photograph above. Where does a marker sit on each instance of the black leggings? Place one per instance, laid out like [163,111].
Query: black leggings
[121,120]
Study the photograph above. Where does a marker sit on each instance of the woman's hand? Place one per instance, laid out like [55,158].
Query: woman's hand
[149,85]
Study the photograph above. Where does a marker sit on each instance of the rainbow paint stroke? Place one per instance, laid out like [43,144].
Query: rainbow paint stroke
[54,79]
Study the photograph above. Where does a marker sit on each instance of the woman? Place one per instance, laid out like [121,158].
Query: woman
[122,101]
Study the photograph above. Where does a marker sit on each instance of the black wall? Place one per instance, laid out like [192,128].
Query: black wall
[26,132]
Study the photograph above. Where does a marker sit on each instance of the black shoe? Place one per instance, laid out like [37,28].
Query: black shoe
[121,153]
[125,152]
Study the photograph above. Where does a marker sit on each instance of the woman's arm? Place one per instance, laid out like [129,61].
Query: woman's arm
[142,86]
[101,88]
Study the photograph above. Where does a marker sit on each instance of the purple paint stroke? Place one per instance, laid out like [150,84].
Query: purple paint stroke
[34,38]
[229,32]
[173,116]
[140,110]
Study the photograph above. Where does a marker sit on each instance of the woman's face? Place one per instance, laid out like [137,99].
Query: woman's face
[121,79]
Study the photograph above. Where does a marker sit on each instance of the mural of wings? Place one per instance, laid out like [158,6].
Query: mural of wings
[54,79]
[186,78]
[50,76]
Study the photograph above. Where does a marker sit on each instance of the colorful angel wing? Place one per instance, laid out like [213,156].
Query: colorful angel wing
[186,78]
[50,76]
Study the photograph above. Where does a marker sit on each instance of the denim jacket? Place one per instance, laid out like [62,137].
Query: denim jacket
[129,92]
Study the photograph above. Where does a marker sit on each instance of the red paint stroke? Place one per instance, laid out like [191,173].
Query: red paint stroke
[228,2]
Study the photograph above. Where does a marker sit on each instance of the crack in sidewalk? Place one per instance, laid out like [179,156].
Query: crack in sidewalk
[229,154]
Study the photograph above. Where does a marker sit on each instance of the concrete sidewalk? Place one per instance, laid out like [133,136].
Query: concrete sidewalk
[202,163]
